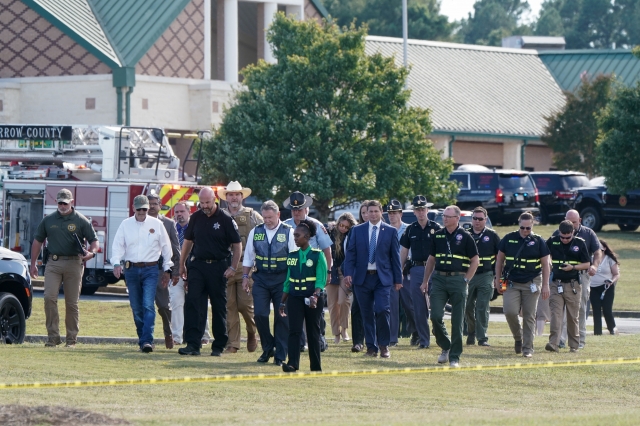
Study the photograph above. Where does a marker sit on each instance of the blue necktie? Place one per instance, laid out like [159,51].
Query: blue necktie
[372,246]
[181,237]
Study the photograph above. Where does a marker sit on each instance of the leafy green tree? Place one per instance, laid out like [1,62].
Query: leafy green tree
[572,132]
[327,120]
[492,20]
[384,17]
[618,151]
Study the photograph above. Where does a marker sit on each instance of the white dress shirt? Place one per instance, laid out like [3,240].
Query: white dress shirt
[372,266]
[141,242]
[249,250]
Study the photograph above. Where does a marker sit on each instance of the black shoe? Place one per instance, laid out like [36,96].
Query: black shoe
[189,350]
[423,347]
[483,343]
[266,355]
[415,339]
[146,348]
[288,369]
[471,339]
[277,362]
[356,348]
[518,346]
[303,348]
[216,352]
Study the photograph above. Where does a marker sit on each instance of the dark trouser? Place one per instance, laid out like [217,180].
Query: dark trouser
[357,329]
[267,290]
[420,309]
[162,302]
[477,310]
[206,279]
[407,305]
[299,313]
[602,306]
[454,290]
[394,315]
[373,296]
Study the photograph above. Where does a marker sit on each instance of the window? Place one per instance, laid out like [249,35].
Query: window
[516,182]
[462,179]
[576,181]
[486,181]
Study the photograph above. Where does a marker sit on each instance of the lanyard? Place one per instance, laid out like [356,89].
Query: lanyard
[473,234]
[447,240]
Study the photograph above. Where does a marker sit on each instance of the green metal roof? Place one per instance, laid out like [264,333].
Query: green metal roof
[118,32]
[76,19]
[567,66]
[477,90]
[323,10]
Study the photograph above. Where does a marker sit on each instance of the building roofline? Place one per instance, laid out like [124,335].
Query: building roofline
[587,52]
[486,135]
[323,10]
[453,45]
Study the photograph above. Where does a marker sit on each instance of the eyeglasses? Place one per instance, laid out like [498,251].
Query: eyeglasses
[566,238]
[144,210]
[478,218]
[525,228]
[62,203]
[449,217]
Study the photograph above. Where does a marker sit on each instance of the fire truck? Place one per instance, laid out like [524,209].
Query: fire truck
[104,167]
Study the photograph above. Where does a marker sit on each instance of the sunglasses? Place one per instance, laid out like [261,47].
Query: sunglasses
[525,228]
[144,210]
[566,238]
[478,218]
[62,203]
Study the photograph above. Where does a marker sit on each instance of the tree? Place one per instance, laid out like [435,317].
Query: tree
[492,20]
[384,17]
[329,121]
[572,132]
[618,151]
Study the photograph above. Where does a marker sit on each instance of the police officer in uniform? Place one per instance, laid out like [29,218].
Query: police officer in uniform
[418,238]
[527,258]
[569,256]
[65,265]
[240,302]
[454,256]
[162,293]
[267,249]
[306,279]
[481,285]
[210,234]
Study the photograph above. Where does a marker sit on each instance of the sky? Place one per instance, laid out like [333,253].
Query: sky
[458,9]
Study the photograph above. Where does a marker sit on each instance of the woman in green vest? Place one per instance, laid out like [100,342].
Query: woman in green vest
[306,279]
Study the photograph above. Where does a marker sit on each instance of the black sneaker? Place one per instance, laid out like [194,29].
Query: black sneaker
[415,339]
[518,346]
[471,339]
[146,348]
[483,343]
[423,347]
[189,350]
[216,352]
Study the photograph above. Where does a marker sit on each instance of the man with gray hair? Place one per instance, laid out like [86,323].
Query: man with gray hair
[268,246]
[162,292]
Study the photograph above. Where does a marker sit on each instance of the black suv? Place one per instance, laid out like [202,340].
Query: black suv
[598,207]
[15,296]
[504,193]
[557,192]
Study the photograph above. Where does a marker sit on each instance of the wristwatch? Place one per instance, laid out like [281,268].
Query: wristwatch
[466,280]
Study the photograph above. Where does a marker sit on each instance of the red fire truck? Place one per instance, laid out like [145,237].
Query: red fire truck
[105,167]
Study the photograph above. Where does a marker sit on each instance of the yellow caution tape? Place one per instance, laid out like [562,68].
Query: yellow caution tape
[304,375]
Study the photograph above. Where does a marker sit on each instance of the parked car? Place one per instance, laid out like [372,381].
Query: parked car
[15,296]
[504,193]
[437,215]
[598,207]
[557,192]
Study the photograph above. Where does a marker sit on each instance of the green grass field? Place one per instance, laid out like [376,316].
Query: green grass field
[589,395]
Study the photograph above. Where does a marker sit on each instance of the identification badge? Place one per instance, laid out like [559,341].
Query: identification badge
[533,288]
[127,264]
[560,289]
[54,257]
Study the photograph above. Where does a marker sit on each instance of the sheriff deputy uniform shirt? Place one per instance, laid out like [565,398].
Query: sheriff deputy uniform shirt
[213,235]
[58,230]
[418,239]
[487,242]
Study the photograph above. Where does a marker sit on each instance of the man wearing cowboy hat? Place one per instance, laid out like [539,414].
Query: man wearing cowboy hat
[238,300]
[299,204]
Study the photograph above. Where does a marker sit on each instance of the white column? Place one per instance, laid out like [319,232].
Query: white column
[207,39]
[270,10]
[231,41]
[511,155]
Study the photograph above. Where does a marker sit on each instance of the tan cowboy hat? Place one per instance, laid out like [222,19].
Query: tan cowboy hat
[233,186]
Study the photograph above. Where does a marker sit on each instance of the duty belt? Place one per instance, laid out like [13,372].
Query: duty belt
[450,274]
[58,257]
[567,281]
[200,259]
[418,263]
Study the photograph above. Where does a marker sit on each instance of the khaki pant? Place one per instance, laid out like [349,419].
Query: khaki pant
[339,301]
[557,303]
[67,272]
[585,282]
[519,297]
[163,304]
[239,302]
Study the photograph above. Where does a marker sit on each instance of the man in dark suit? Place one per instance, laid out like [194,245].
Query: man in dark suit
[372,266]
